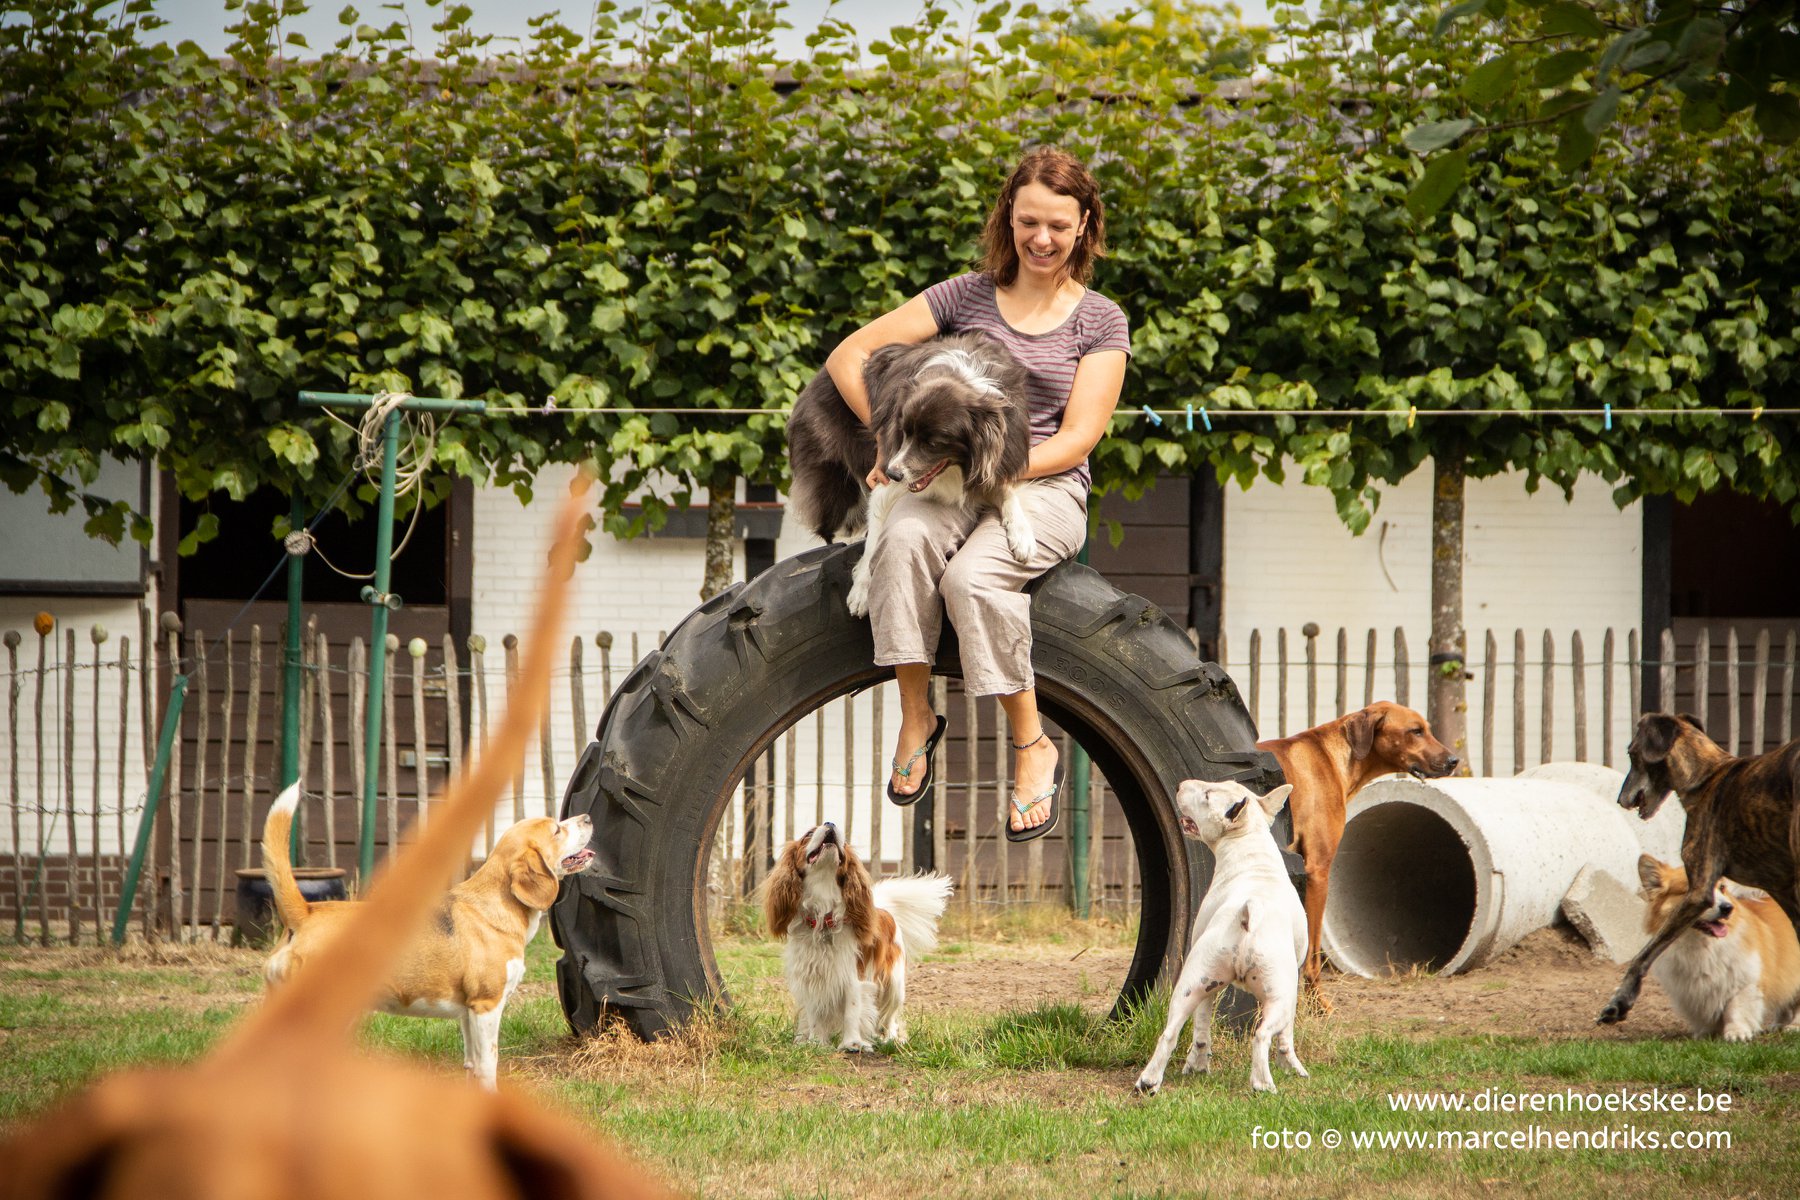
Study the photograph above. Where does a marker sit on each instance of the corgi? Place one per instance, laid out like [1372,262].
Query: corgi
[1736,971]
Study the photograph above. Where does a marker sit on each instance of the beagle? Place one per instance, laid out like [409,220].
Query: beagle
[472,958]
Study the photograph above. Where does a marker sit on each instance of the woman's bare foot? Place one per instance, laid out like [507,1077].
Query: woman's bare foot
[1034,774]
[909,754]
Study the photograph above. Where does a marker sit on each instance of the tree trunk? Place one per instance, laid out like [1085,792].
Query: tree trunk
[721,513]
[1446,703]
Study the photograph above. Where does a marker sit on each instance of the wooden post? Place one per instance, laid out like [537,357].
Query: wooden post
[357,667]
[252,725]
[13,685]
[415,650]
[1760,693]
[1578,673]
[224,784]
[1003,802]
[1369,671]
[71,827]
[97,634]
[1518,730]
[940,799]
[1310,631]
[1255,669]
[1281,682]
[849,710]
[171,625]
[877,780]
[478,701]
[1341,697]
[390,645]
[1606,697]
[124,734]
[971,797]
[1703,678]
[1733,694]
[327,748]
[1489,680]
[1666,672]
[1402,670]
[1547,718]
[1787,689]
[510,645]
[577,697]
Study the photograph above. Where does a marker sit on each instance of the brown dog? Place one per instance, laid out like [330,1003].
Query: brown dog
[286,1107]
[1743,820]
[1330,763]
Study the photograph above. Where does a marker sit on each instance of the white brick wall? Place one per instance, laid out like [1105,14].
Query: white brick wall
[1534,562]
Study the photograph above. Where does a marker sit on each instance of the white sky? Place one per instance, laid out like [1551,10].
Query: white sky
[204,21]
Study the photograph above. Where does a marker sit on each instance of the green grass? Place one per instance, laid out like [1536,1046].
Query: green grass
[980,1103]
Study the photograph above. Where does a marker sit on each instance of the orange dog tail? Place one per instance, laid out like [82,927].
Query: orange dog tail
[288,901]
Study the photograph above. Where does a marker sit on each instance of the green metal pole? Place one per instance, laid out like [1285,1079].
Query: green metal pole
[1079,777]
[164,745]
[290,680]
[377,596]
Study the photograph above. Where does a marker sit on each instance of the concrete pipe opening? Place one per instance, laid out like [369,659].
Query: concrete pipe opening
[1447,874]
[1403,889]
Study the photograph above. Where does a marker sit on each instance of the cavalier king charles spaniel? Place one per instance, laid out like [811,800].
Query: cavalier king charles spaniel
[848,939]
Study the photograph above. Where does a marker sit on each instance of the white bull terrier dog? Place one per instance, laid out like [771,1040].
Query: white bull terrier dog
[1250,931]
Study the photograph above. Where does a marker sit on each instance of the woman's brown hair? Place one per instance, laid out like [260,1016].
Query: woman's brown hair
[1063,174]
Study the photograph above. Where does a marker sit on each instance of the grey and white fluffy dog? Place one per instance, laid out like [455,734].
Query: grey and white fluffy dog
[952,421]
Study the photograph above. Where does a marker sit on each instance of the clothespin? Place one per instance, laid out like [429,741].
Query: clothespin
[1190,410]
[1756,413]
[1609,418]
[549,405]
[1151,413]
[1412,415]
[1207,420]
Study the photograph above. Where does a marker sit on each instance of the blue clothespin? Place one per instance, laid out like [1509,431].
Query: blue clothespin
[1205,419]
[1190,412]
[1151,413]
[1609,417]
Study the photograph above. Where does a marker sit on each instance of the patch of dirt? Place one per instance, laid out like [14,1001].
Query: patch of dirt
[1548,986]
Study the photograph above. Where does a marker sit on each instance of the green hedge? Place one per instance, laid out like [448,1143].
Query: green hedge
[662,213]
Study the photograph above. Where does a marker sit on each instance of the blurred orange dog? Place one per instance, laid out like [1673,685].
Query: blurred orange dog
[286,1107]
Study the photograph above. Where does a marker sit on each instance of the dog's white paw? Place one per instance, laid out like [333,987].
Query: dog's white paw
[1146,1086]
[858,599]
[1021,541]
[1197,1066]
[1263,1085]
[855,1046]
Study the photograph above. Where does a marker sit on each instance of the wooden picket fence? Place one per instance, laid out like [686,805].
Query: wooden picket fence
[80,727]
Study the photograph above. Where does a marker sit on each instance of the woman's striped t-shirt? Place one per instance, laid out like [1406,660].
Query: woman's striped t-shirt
[966,304]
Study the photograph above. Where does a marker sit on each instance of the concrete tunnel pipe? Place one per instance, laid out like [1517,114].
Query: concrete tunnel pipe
[1446,874]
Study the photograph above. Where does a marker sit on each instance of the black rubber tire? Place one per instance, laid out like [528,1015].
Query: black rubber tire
[676,739]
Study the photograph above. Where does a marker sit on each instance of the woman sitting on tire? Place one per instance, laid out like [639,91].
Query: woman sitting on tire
[1045,231]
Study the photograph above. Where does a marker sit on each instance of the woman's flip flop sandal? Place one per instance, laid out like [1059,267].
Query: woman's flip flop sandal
[1025,806]
[903,799]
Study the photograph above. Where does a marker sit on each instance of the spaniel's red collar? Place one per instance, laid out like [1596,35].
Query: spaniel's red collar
[830,921]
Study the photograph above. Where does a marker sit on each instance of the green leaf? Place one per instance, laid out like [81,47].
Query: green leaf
[1492,80]
[1561,67]
[1577,145]
[1619,48]
[1440,181]
[1457,12]
[1424,139]
[1576,20]
[1599,114]
[1778,116]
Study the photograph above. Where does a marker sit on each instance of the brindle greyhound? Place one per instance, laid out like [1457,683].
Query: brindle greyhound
[1743,820]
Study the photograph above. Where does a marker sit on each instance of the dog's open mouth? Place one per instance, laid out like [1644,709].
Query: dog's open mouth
[577,862]
[1711,928]
[828,838]
[924,481]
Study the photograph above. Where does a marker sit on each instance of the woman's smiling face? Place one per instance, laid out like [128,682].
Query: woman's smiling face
[1045,225]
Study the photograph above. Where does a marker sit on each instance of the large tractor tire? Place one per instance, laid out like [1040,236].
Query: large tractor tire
[680,732]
